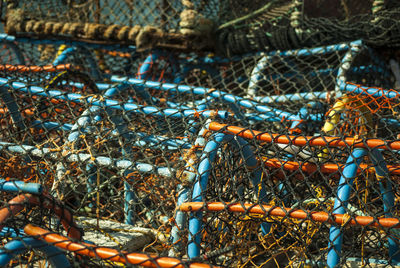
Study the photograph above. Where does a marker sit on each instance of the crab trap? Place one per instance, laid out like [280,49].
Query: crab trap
[199,133]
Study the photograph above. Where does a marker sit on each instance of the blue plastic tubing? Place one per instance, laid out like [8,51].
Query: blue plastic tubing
[88,117]
[183,190]
[80,126]
[266,100]
[12,249]
[343,193]
[256,75]
[139,139]
[150,110]
[295,52]
[327,71]
[100,160]
[112,104]
[386,189]
[130,197]
[64,55]
[217,94]
[345,65]
[11,232]
[147,64]
[129,193]
[141,92]
[374,92]
[263,63]
[316,94]
[308,95]
[180,219]
[270,114]
[230,98]
[322,264]
[204,170]
[94,69]
[84,122]
[20,186]
[143,73]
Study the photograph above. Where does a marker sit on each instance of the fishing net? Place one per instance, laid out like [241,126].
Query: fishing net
[199,133]
[228,27]
[295,24]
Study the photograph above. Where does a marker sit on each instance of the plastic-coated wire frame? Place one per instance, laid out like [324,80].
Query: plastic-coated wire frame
[294,213]
[12,249]
[81,157]
[204,169]
[110,254]
[94,70]
[20,186]
[306,140]
[325,168]
[112,104]
[353,48]
[369,91]
[18,203]
[343,193]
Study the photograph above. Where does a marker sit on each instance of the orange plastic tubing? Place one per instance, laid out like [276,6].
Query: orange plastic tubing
[305,140]
[318,216]
[34,68]
[26,111]
[117,54]
[324,168]
[16,205]
[107,253]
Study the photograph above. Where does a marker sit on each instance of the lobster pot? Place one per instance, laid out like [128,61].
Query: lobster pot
[297,195]
[210,133]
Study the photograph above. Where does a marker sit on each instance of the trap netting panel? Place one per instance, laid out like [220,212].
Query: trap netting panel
[177,24]
[125,13]
[297,24]
[227,27]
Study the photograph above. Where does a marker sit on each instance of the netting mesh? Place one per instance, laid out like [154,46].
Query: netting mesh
[199,133]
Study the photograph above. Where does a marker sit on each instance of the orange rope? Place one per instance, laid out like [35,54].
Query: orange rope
[34,68]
